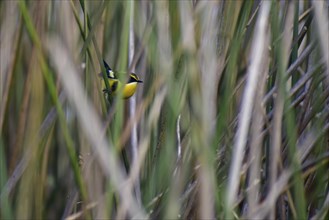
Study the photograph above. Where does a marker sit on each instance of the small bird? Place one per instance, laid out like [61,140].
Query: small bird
[116,86]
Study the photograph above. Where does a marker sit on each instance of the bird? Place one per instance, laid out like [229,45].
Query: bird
[127,89]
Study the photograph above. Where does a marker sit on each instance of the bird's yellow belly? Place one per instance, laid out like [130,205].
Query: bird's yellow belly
[126,90]
[129,89]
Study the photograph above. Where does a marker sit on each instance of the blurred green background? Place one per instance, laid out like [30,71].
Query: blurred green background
[231,120]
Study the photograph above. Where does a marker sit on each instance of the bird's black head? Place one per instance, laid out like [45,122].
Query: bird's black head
[108,69]
[134,78]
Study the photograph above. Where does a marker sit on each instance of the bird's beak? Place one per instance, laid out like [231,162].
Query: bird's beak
[139,81]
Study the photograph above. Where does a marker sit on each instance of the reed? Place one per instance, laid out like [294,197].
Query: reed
[231,121]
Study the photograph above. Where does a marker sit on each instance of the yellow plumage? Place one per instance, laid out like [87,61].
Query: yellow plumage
[128,89]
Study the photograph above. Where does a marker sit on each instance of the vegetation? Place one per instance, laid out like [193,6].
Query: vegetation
[231,121]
